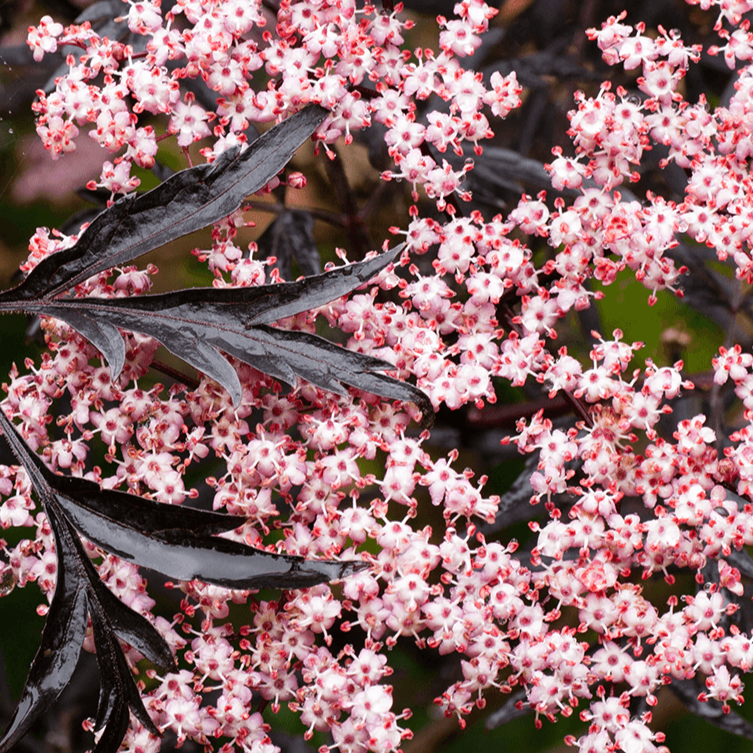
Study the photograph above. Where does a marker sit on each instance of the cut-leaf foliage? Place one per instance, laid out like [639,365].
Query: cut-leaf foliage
[198,325]
[187,201]
[291,236]
[174,540]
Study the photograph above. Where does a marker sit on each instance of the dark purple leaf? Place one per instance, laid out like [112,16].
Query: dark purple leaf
[129,626]
[62,638]
[115,731]
[291,236]
[263,304]
[501,168]
[198,325]
[100,333]
[173,540]
[117,687]
[187,201]
[201,325]
[132,627]
[152,517]
[532,69]
[80,592]
[180,554]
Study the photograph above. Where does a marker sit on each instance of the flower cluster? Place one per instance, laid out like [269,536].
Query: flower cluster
[470,306]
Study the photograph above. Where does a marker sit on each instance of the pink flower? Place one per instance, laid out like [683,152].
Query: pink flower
[318,474]
[43,38]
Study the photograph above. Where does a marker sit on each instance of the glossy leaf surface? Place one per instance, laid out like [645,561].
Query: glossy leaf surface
[62,638]
[187,201]
[176,541]
[198,325]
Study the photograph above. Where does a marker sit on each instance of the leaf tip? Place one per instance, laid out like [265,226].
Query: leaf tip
[352,567]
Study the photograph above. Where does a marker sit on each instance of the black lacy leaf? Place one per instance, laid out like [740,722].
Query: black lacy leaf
[200,325]
[291,236]
[62,638]
[187,201]
[174,540]
[80,593]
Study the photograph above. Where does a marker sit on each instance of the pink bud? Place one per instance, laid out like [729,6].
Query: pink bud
[296,180]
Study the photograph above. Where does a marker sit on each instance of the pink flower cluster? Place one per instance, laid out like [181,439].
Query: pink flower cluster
[482,310]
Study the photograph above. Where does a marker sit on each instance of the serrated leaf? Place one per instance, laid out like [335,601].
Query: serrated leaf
[118,689]
[133,628]
[62,638]
[100,333]
[184,555]
[152,517]
[259,304]
[173,540]
[115,731]
[198,325]
[79,593]
[201,325]
[187,201]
